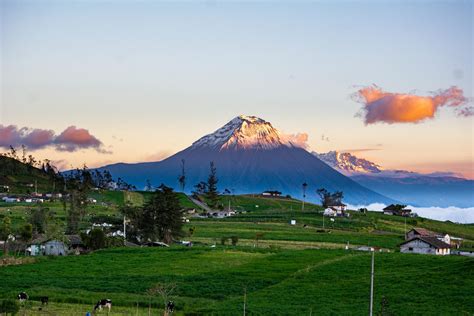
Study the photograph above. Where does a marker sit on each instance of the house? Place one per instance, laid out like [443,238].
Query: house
[454,242]
[330,212]
[416,232]
[425,245]
[398,210]
[42,247]
[272,193]
[338,206]
[8,199]
[55,248]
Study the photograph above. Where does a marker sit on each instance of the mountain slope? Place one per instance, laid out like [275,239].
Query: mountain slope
[251,156]
[436,189]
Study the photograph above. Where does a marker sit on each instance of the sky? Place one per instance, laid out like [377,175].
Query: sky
[130,81]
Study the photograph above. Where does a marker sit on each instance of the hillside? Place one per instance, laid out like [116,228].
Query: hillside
[22,178]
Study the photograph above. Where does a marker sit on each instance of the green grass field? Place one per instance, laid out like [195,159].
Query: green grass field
[277,282]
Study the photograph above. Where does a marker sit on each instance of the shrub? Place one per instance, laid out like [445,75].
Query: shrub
[234,240]
[224,240]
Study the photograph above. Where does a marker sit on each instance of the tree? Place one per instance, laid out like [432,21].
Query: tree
[96,239]
[39,218]
[164,290]
[26,233]
[258,236]
[212,194]
[5,231]
[182,177]
[161,217]
[327,198]
[55,231]
[305,185]
[148,186]
[200,188]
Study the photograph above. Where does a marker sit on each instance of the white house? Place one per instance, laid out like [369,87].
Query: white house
[338,206]
[425,245]
[330,212]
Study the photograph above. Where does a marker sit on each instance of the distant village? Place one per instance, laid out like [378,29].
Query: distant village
[417,240]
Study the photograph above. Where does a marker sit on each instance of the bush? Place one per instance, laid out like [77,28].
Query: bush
[9,306]
[224,240]
[234,240]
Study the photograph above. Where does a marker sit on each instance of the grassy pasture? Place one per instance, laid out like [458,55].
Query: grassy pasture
[277,282]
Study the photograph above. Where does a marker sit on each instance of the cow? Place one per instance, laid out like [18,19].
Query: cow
[22,297]
[103,303]
[170,307]
[44,300]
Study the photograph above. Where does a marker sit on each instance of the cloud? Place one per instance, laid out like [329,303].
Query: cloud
[71,139]
[358,150]
[387,107]
[451,213]
[298,139]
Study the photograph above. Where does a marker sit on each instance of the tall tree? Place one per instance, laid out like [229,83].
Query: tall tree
[161,217]
[182,177]
[305,185]
[212,194]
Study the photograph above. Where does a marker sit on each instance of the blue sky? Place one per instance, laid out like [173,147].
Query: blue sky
[159,75]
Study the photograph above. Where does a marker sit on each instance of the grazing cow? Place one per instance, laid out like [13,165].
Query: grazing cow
[44,300]
[103,303]
[22,297]
[170,307]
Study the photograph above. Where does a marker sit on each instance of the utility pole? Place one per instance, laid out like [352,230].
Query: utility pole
[124,231]
[245,298]
[371,308]
[323,221]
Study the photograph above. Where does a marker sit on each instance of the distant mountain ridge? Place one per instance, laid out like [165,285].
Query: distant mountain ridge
[251,156]
[442,189]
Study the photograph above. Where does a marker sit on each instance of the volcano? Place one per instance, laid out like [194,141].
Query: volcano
[251,156]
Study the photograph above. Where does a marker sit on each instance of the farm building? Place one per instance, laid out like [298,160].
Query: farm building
[39,247]
[398,210]
[450,240]
[55,248]
[425,245]
[338,206]
[330,212]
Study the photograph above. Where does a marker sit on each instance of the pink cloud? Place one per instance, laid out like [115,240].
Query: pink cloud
[388,107]
[71,139]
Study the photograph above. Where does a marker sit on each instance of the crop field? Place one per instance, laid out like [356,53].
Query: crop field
[276,282]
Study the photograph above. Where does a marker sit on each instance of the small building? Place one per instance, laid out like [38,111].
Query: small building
[8,199]
[330,212]
[338,206]
[40,246]
[55,248]
[425,245]
[272,193]
[398,210]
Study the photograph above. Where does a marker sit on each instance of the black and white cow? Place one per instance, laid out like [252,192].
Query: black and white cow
[102,304]
[22,297]
[44,300]
[170,307]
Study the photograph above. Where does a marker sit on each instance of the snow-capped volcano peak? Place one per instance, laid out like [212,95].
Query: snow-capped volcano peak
[347,163]
[244,132]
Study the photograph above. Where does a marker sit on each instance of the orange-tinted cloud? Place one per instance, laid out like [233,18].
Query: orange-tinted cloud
[298,140]
[381,106]
[71,139]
